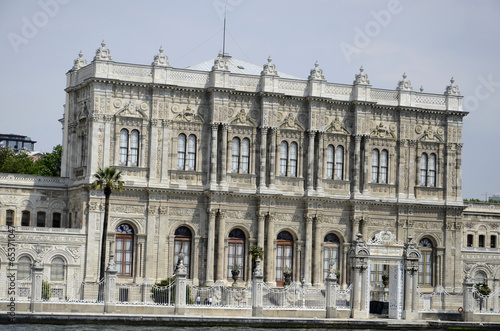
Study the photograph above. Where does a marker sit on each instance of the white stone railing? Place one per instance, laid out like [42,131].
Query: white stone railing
[480,249]
[482,206]
[35,180]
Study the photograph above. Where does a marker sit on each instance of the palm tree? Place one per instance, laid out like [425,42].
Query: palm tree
[107,179]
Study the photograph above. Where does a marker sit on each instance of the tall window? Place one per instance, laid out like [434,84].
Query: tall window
[129,148]
[330,253]
[380,166]
[182,243]
[57,269]
[10,217]
[480,242]
[124,250]
[25,220]
[240,156]
[425,263]
[236,252]
[288,159]
[186,152]
[335,162]
[284,256]
[83,150]
[23,268]
[40,219]
[470,240]
[428,170]
[493,241]
[56,220]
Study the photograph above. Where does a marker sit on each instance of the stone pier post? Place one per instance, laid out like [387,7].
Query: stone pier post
[36,287]
[180,286]
[331,294]
[110,286]
[412,256]
[468,290]
[257,289]
[359,255]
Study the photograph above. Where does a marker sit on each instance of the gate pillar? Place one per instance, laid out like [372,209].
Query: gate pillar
[359,261]
[411,258]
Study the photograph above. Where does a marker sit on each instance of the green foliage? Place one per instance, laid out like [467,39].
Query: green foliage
[46,291]
[21,163]
[256,251]
[483,201]
[483,288]
[108,179]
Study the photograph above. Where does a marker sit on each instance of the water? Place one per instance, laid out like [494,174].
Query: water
[109,327]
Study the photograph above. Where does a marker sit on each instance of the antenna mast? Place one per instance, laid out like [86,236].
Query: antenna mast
[224,36]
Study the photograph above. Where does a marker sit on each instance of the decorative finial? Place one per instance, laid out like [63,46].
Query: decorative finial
[269,68]
[220,62]
[404,75]
[316,73]
[316,64]
[361,78]
[161,59]
[80,62]
[421,88]
[80,55]
[103,44]
[269,59]
[161,49]
[452,89]
[404,85]
[452,80]
[103,53]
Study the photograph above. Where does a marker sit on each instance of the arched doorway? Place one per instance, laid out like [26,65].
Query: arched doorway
[284,257]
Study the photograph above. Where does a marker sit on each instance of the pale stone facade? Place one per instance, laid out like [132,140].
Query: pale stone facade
[238,155]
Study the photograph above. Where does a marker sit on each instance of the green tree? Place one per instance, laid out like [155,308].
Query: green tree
[50,163]
[107,179]
[22,163]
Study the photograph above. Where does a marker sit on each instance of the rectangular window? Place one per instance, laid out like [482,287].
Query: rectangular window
[375,166]
[245,156]
[493,242]
[235,157]
[481,241]
[186,249]
[191,157]
[40,219]
[56,220]
[283,158]
[26,218]
[329,162]
[10,217]
[470,240]
[293,159]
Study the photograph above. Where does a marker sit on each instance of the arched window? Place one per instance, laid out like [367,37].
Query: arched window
[23,268]
[25,221]
[329,161]
[236,252]
[40,219]
[123,146]
[9,218]
[186,152]
[124,250]
[182,243]
[380,166]
[480,277]
[284,256]
[428,170]
[339,163]
[283,158]
[240,155]
[57,269]
[56,220]
[330,253]
[425,263]
[134,148]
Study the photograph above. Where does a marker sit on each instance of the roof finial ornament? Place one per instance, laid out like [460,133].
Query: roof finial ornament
[316,73]
[220,62]
[361,78]
[80,62]
[421,88]
[404,85]
[160,59]
[269,68]
[452,89]
[103,53]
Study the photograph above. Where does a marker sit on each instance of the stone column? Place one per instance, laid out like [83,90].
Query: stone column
[180,287]
[357,163]
[272,167]
[331,294]
[263,147]
[269,250]
[310,162]
[317,276]
[355,227]
[495,298]
[412,169]
[468,303]
[356,291]
[110,286]
[257,290]
[221,236]
[408,293]
[308,250]
[366,153]
[362,301]
[224,148]
[320,174]
[261,217]
[359,256]
[196,263]
[414,294]
[36,287]
[165,150]
[213,157]
[209,278]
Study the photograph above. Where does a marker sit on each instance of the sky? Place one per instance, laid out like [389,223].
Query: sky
[431,41]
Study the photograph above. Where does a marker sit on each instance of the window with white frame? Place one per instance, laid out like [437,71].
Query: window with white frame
[240,155]
[9,217]
[236,253]
[425,262]
[330,253]
[124,250]
[186,152]
[182,243]
[428,169]
[129,148]
[57,269]
[335,162]
[25,220]
[380,166]
[23,268]
[288,159]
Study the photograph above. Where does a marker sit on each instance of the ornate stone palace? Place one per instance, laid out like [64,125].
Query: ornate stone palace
[226,155]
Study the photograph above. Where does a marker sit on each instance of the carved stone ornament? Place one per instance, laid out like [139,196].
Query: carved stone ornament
[160,59]
[269,68]
[337,126]
[385,237]
[361,78]
[80,62]
[381,131]
[404,85]
[452,89]
[103,53]
[316,73]
[220,63]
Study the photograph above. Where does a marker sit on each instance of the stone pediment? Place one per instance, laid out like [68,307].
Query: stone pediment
[337,127]
[381,131]
[188,115]
[290,122]
[133,110]
[429,133]
[242,118]
[385,238]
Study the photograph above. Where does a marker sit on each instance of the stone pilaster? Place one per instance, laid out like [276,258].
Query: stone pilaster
[110,286]
[263,156]
[310,162]
[36,287]
[213,157]
[180,287]
[270,251]
[331,294]
[224,149]
[209,274]
[257,290]
[308,250]
[221,236]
